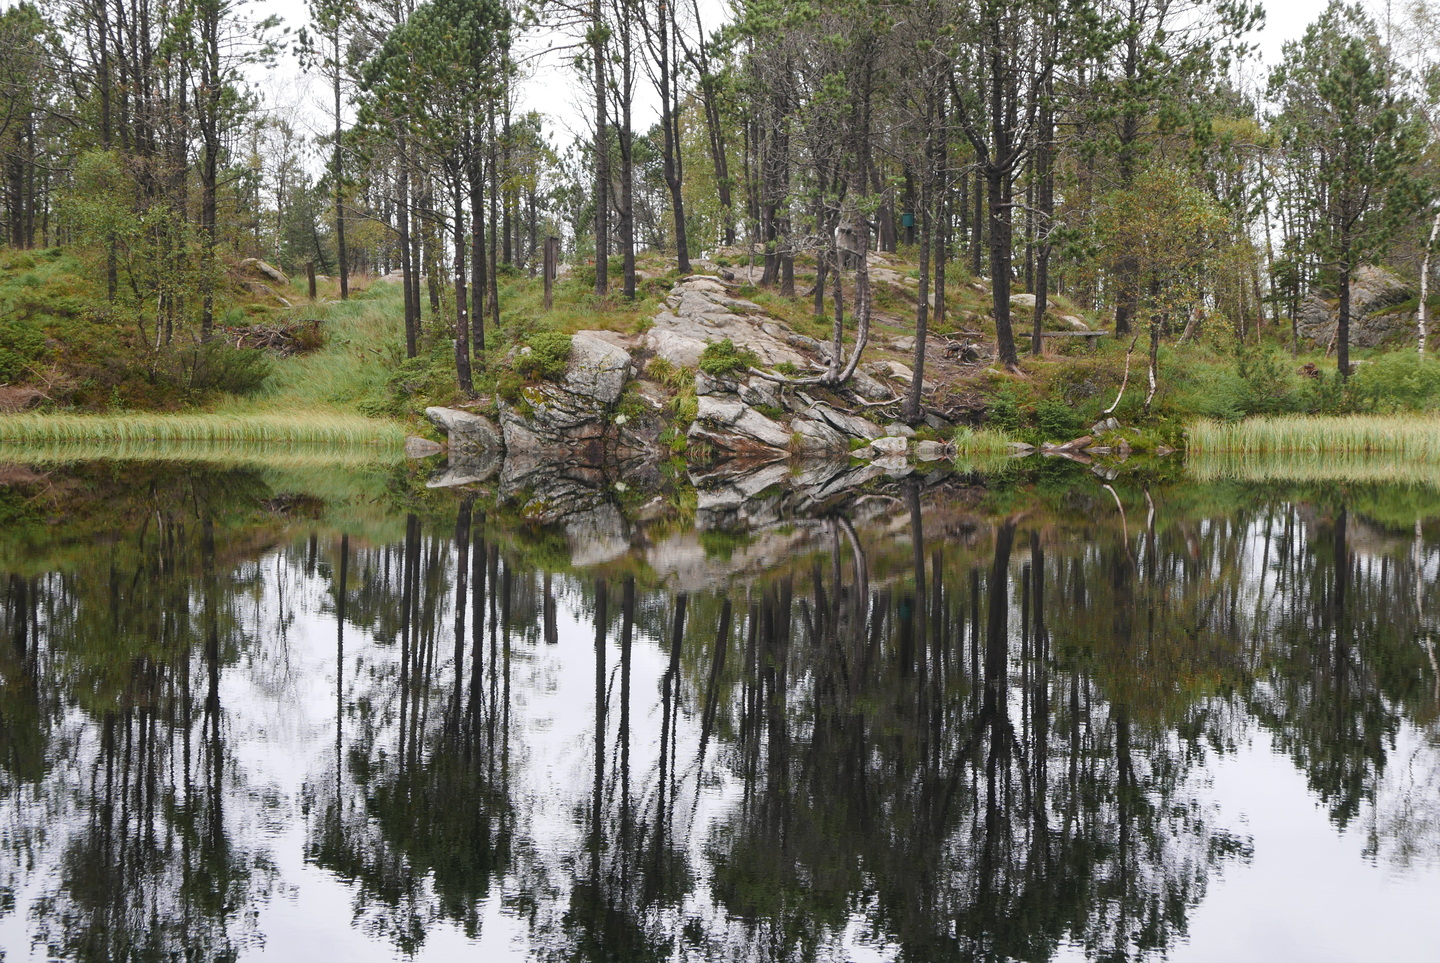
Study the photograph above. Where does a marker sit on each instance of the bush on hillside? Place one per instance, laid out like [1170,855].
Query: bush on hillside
[1400,381]
[547,359]
[722,358]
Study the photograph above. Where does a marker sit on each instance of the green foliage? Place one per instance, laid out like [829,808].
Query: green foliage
[1399,381]
[203,370]
[21,344]
[1057,421]
[722,358]
[546,359]
[1003,413]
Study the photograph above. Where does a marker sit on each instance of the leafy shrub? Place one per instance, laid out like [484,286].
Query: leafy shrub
[721,358]
[215,367]
[1057,421]
[20,344]
[547,359]
[1401,381]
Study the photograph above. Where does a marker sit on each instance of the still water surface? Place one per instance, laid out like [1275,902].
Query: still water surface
[251,714]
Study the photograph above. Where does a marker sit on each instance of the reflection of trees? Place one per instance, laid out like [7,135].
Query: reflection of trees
[420,825]
[986,796]
[974,743]
[1347,668]
[149,868]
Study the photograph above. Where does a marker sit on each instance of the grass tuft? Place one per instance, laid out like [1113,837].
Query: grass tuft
[983,441]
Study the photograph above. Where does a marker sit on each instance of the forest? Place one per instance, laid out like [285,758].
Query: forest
[1131,159]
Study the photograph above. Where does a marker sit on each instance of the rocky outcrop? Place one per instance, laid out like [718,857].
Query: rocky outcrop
[733,429]
[700,310]
[1372,291]
[574,416]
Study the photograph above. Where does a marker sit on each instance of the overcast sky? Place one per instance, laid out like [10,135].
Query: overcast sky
[553,88]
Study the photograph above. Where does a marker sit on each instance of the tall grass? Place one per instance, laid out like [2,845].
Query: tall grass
[984,441]
[363,344]
[1412,436]
[259,428]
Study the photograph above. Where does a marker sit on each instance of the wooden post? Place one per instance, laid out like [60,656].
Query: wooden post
[310,276]
[552,264]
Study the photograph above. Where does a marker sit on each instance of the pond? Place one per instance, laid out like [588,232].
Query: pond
[268,711]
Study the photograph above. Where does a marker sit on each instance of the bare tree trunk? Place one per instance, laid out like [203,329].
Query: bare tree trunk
[478,282]
[1421,318]
[462,317]
[344,265]
[1044,169]
[1342,326]
[602,153]
[997,183]
[407,267]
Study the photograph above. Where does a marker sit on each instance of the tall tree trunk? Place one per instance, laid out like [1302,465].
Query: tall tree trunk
[1045,172]
[602,152]
[940,244]
[494,273]
[977,228]
[478,282]
[1342,326]
[1422,316]
[339,174]
[997,184]
[462,317]
[208,16]
[911,412]
[407,267]
[670,122]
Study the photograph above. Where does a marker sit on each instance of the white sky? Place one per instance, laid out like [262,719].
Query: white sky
[554,87]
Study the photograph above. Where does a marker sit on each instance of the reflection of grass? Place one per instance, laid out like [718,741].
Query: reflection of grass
[1312,467]
[1411,436]
[220,455]
[259,428]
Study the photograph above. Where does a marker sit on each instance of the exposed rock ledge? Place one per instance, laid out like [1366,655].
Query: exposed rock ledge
[578,419]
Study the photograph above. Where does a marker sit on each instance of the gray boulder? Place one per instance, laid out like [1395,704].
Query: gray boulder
[813,436]
[417,447]
[465,430]
[891,445]
[933,450]
[265,270]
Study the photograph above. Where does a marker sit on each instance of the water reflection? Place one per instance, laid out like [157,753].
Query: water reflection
[926,728]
